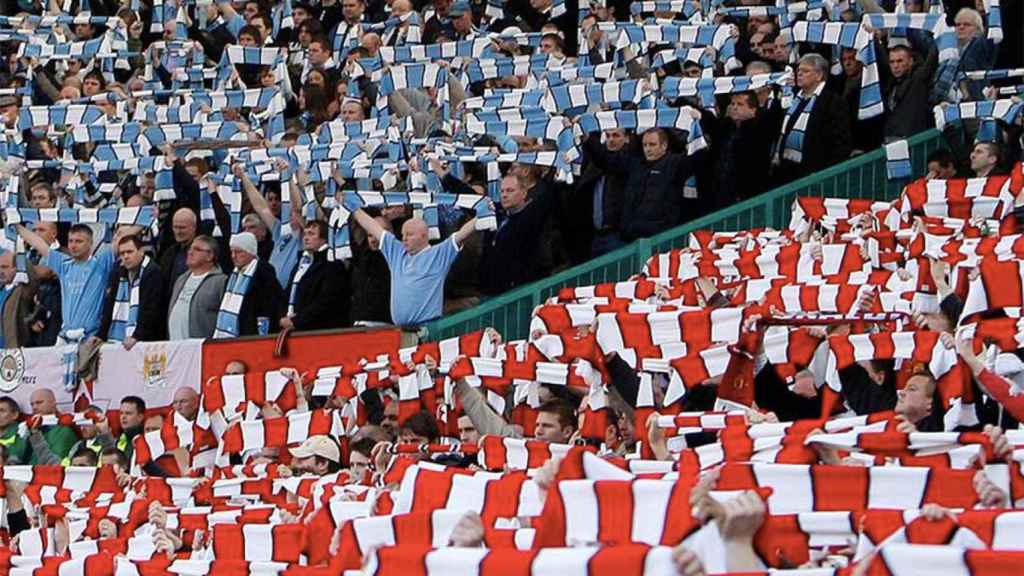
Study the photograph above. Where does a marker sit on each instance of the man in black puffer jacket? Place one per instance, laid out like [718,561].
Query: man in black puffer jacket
[656,197]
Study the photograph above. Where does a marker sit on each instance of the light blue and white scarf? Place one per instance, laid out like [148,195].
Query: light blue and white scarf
[231,304]
[793,143]
[126,304]
[848,35]
[897,160]
[305,263]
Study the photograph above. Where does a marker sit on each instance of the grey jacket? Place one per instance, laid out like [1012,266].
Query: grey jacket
[202,313]
[484,419]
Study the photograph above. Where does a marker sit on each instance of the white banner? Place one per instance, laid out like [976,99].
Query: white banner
[23,370]
[150,370]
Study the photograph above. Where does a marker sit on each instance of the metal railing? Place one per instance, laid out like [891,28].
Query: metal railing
[861,177]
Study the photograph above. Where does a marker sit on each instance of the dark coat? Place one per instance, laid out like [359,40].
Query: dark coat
[907,106]
[740,156]
[322,298]
[371,286]
[827,140]
[511,253]
[264,298]
[654,198]
[151,324]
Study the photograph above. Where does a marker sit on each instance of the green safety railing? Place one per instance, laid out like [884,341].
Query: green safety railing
[861,177]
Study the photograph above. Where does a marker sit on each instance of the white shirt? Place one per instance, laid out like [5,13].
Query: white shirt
[177,323]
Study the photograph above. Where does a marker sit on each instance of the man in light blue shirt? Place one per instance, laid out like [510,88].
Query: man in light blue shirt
[83,278]
[418,270]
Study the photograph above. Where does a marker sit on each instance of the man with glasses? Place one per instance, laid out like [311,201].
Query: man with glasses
[195,299]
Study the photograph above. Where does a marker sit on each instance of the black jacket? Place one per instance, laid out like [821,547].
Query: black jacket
[264,298]
[773,395]
[827,140]
[172,264]
[907,107]
[510,254]
[322,298]
[371,286]
[740,156]
[151,324]
[654,198]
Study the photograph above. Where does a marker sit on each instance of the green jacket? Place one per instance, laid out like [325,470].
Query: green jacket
[51,444]
[17,447]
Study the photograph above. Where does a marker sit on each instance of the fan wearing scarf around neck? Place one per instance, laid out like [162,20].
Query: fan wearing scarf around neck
[252,291]
[318,292]
[816,128]
[135,306]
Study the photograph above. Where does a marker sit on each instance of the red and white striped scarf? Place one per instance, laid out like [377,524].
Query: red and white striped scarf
[963,198]
[427,487]
[852,488]
[835,214]
[239,395]
[59,485]
[415,530]
[245,435]
[259,542]
[974,529]
[999,288]
[497,453]
[921,347]
[911,560]
[631,560]
[176,432]
[708,240]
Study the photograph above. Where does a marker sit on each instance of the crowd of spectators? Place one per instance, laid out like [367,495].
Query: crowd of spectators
[247,233]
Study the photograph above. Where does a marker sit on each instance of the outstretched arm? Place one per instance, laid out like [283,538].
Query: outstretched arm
[466,231]
[369,224]
[34,240]
[259,203]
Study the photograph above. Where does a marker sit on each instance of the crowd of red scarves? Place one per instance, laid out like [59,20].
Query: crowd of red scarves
[849,282]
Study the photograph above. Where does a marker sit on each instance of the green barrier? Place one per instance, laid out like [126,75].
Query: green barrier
[860,177]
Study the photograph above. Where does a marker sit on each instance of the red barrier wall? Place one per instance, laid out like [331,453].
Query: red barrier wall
[303,352]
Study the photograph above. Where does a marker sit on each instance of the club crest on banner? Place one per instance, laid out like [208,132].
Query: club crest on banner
[12,369]
[154,366]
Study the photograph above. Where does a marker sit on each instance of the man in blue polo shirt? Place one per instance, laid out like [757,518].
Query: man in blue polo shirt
[83,279]
[418,270]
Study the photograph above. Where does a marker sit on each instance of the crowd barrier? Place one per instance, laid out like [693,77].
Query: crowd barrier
[861,177]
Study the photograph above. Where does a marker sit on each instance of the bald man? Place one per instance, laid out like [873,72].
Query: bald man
[372,42]
[186,403]
[418,270]
[50,444]
[184,227]
[397,34]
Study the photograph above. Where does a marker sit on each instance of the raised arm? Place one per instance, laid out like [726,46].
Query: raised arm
[466,231]
[259,203]
[298,183]
[369,224]
[34,240]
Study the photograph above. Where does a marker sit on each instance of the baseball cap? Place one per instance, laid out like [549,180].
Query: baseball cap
[321,446]
[459,8]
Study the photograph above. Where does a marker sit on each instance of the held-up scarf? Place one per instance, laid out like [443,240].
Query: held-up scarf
[126,304]
[231,303]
